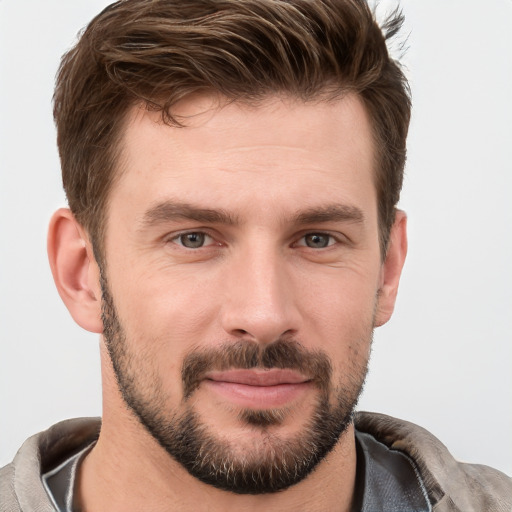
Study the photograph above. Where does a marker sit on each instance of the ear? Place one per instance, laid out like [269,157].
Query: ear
[391,269]
[74,269]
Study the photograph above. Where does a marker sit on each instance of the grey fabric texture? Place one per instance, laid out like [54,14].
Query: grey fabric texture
[390,479]
[21,485]
[59,482]
[451,486]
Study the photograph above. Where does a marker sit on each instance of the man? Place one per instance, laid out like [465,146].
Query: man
[232,171]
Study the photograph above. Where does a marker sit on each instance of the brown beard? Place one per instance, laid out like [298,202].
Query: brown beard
[277,463]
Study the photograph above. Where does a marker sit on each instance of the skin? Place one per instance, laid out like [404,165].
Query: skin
[255,279]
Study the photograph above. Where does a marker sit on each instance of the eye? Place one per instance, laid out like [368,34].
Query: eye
[317,240]
[193,240]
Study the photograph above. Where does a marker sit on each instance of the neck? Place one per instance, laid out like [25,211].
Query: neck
[121,478]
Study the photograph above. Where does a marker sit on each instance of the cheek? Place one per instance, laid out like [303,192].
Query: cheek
[340,316]
[342,297]
[166,307]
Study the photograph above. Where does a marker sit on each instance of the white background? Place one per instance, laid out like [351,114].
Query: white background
[445,359]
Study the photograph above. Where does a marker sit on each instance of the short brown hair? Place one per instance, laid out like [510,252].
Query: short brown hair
[156,52]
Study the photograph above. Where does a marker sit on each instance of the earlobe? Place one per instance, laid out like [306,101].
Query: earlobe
[392,269]
[75,270]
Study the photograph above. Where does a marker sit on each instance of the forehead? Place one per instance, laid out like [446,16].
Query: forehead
[231,153]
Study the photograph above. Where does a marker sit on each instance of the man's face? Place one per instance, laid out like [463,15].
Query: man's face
[241,283]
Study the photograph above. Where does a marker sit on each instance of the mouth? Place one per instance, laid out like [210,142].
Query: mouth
[258,389]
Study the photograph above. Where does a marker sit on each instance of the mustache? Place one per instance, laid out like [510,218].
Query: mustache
[247,355]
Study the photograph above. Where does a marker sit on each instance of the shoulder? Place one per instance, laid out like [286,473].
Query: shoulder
[20,481]
[452,486]
[9,502]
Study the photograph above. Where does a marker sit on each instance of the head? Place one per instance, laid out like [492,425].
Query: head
[232,169]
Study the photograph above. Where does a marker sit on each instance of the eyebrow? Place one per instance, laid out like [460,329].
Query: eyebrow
[330,213]
[170,210]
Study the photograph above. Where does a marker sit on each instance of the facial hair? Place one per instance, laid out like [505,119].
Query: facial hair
[275,463]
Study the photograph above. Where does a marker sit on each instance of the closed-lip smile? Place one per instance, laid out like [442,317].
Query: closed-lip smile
[258,388]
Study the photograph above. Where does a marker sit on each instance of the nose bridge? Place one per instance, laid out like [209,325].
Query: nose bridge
[260,300]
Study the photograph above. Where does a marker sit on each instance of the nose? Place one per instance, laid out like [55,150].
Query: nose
[260,300]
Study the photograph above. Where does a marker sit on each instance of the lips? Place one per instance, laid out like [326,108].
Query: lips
[259,389]
[271,377]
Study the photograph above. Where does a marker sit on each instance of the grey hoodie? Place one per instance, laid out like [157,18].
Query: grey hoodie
[451,486]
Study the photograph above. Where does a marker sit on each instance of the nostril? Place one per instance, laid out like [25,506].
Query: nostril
[240,332]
